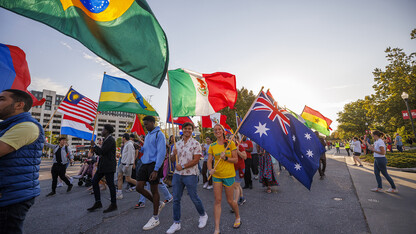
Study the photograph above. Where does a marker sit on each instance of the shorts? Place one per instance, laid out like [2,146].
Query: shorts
[225,181]
[125,169]
[238,178]
[356,154]
[145,171]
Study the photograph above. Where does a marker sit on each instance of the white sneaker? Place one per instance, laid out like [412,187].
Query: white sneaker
[175,227]
[203,221]
[77,177]
[71,180]
[210,187]
[152,223]
[205,185]
[391,190]
[377,190]
[60,185]
[119,196]
[256,177]
[162,204]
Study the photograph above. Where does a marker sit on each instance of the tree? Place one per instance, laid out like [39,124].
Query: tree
[353,120]
[245,98]
[383,109]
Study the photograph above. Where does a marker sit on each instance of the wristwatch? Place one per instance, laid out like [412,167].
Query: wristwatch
[183,166]
[226,158]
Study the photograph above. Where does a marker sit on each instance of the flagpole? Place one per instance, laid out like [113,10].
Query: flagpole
[44,129]
[171,115]
[96,114]
[238,129]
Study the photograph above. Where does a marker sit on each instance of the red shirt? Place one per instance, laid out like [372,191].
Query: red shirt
[240,164]
[246,145]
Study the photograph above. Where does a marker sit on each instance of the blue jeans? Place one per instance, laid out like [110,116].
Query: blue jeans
[162,188]
[400,148]
[380,165]
[178,183]
[12,216]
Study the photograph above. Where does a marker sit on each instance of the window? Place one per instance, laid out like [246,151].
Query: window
[48,98]
[47,107]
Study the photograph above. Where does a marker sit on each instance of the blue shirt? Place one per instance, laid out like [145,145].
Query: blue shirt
[154,148]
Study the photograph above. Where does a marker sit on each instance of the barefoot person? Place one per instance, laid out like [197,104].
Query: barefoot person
[224,174]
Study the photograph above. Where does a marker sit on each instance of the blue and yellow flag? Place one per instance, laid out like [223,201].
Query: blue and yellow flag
[118,94]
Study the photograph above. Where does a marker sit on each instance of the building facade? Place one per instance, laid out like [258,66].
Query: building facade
[121,121]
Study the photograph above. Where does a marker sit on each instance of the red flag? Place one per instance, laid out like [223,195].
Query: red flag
[209,121]
[178,120]
[137,126]
[14,71]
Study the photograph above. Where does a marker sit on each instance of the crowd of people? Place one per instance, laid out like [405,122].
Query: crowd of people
[148,164]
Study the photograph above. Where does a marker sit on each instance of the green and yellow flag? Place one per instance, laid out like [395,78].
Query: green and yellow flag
[123,32]
[314,119]
[118,94]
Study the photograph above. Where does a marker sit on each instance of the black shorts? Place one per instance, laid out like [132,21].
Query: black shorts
[356,154]
[145,171]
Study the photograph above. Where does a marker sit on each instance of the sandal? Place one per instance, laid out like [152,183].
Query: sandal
[269,190]
[237,223]
[217,232]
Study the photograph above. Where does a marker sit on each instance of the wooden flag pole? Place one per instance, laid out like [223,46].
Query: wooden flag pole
[44,129]
[171,114]
[238,129]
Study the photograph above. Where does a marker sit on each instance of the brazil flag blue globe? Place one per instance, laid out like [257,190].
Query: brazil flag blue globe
[123,32]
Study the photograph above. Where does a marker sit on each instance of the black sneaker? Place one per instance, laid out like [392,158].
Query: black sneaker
[51,194]
[69,188]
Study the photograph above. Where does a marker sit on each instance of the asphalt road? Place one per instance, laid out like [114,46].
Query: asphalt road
[331,206]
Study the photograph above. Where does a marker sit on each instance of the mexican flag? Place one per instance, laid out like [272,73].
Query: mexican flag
[210,121]
[195,94]
[314,119]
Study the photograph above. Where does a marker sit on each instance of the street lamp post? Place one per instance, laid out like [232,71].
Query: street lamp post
[405,97]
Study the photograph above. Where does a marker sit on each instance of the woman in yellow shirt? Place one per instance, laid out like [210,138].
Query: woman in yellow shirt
[223,175]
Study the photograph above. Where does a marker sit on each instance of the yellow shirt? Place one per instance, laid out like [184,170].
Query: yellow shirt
[224,169]
[20,135]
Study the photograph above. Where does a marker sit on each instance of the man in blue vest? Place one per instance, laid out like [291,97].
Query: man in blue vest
[21,143]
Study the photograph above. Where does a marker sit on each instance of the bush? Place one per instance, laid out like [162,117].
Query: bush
[407,159]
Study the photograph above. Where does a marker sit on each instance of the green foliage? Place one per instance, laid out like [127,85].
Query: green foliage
[406,159]
[53,139]
[383,109]
[353,120]
[118,142]
[244,100]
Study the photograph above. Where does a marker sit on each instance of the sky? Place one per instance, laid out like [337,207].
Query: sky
[315,53]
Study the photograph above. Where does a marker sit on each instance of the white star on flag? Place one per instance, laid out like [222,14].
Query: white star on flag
[261,129]
[308,136]
[297,166]
[309,153]
[294,138]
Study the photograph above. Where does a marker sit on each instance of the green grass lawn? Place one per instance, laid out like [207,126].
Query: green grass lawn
[407,159]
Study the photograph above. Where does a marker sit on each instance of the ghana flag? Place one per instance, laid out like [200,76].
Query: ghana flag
[123,32]
[314,119]
[118,94]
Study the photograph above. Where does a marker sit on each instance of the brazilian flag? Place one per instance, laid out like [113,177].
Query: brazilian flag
[123,32]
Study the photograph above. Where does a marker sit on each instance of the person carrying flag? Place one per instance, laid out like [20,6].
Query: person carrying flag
[223,175]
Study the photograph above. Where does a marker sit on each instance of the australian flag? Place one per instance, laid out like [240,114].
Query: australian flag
[293,144]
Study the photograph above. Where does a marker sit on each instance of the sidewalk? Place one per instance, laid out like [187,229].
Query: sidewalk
[385,213]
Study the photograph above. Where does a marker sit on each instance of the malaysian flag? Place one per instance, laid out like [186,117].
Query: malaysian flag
[78,107]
